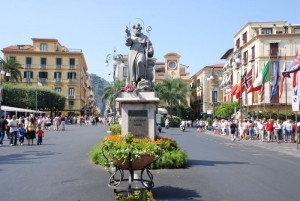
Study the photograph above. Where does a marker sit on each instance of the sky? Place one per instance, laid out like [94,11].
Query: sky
[200,31]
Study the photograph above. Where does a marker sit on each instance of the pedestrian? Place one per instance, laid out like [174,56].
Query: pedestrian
[251,129]
[270,129]
[40,135]
[57,123]
[7,128]
[288,131]
[3,126]
[21,132]
[233,128]
[30,130]
[48,123]
[261,130]
[277,130]
[62,122]
[13,129]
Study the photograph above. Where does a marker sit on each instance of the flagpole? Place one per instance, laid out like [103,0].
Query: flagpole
[270,83]
[286,108]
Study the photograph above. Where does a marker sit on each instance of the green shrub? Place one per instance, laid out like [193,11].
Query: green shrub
[115,129]
[209,121]
[171,156]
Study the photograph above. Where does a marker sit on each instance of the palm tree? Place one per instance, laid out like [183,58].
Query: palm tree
[172,91]
[108,91]
[11,66]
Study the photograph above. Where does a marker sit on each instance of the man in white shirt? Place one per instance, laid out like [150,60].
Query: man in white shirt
[13,125]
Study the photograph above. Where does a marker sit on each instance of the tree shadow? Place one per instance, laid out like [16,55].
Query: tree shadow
[25,157]
[175,193]
[191,163]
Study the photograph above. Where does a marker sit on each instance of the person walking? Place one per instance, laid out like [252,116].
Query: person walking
[63,122]
[233,128]
[270,129]
[40,135]
[277,130]
[21,132]
[30,130]
[3,126]
[261,130]
[13,129]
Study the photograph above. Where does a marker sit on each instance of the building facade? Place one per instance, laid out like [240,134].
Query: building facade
[256,44]
[52,65]
[206,91]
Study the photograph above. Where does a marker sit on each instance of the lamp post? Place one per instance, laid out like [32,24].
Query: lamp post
[214,98]
[114,58]
[1,87]
[238,61]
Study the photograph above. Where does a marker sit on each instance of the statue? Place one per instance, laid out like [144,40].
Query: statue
[140,68]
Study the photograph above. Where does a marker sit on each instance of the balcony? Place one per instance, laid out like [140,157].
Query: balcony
[72,80]
[42,80]
[58,66]
[71,97]
[57,80]
[71,107]
[27,65]
[43,66]
[27,80]
[72,67]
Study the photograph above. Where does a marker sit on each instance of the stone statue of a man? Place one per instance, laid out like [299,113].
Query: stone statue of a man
[140,50]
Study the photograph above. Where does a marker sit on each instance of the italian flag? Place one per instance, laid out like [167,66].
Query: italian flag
[262,78]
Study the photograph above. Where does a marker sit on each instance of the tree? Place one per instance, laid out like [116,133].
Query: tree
[172,91]
[108,92]
[226,110]
[12,66]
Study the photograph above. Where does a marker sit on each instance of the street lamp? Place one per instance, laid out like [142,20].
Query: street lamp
[1,87]
[214,102]
[238,63]
[114,58]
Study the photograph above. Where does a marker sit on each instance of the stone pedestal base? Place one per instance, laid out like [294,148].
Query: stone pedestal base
[138,111]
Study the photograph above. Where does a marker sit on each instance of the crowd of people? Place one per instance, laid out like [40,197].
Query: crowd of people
[268,130]
[31,127]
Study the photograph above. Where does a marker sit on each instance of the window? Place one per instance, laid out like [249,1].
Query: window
[237,44]
[57,76]
[28,75]
[273,49]
[72,75]
[43,76]
[43,62]
[214,96]
[253,53]
[71,93]
[28,62]
[58,62]
[71,105]
[72,63]
[297,30]
[245,57]
[266,31]
[43,47]
[198,82]
[245,38]
[12,58]
[125,71]
[57,89]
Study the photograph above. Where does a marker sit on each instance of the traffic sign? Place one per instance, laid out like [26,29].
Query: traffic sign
[295,103]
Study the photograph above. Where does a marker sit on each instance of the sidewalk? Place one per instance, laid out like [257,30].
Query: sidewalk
[282,147]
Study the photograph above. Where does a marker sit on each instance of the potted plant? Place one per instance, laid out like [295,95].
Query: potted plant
[129,151]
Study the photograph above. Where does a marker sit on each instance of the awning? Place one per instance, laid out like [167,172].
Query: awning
[16,109]
[162,111]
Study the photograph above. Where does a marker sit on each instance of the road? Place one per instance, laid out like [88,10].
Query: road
[218,169]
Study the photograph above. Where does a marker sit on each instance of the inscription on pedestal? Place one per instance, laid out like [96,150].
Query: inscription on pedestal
[138,122]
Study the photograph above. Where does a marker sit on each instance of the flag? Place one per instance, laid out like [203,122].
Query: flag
[251,89]
[247,81]
[262,78]
[282,78]
[294,67]
[234,88]
[261,93]
[276,75]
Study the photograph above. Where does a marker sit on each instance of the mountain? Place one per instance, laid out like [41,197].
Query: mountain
[98,84]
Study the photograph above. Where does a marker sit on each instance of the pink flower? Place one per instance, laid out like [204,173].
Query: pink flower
[128,87]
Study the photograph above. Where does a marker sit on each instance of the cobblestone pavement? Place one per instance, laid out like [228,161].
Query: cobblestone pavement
[282,147]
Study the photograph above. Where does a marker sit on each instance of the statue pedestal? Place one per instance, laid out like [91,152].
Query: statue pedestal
[138,112]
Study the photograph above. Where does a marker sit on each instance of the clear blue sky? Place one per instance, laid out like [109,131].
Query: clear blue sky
[200,31]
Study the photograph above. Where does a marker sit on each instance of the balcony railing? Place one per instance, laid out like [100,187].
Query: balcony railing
[58,66]
[42,80]
[71,97]
[43,66]
[57,80]
[72,80]
[72,66]
[27,65]
[27,80]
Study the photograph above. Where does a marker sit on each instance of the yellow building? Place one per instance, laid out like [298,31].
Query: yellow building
[51,64]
